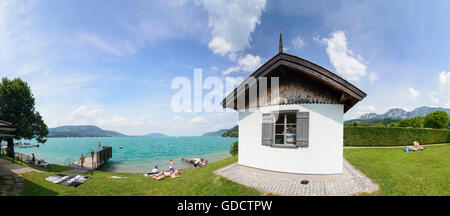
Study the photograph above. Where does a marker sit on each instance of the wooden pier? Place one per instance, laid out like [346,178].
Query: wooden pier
[95,162]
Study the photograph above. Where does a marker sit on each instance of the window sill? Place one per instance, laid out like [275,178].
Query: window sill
[284,146]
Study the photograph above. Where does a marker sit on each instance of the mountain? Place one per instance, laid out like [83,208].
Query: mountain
[216,133]
[398,113]
[233,132]
[81,131]
[156,135]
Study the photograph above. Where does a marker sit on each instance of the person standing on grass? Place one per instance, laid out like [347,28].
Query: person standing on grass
[82,160]
[33,158]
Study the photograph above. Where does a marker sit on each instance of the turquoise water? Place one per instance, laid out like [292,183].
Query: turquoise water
[139,154]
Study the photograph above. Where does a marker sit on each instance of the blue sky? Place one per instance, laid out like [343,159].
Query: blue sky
[111,63]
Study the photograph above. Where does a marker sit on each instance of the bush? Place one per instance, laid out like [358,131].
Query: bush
[234,149]
[389,136]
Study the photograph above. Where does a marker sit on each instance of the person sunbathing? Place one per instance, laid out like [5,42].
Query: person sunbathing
[200,162]
[163,175]
[418,146]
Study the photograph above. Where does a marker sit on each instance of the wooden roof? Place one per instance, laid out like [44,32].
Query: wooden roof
[350,95]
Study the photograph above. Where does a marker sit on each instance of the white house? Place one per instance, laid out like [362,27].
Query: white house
[299,128]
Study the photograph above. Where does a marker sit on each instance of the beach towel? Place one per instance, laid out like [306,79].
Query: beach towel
[67,180]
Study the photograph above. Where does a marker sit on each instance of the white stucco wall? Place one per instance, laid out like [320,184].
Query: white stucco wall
[324,154]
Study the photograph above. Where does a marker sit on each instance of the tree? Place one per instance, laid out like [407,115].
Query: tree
[17,105]
[393,124]
[234,149]
[417,122]
[405,123]
[438,120]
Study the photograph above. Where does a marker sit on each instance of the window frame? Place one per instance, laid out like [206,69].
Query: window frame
[285,124]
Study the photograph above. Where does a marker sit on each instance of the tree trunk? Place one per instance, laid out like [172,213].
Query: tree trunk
[10,149]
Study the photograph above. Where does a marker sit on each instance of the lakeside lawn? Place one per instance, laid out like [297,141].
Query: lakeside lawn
[401,173]
[396,172]
[196,182]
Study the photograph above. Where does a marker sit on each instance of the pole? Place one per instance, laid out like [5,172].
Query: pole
[92,168]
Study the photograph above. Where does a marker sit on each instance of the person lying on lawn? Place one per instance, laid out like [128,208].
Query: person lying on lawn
[418,146]
[163,175]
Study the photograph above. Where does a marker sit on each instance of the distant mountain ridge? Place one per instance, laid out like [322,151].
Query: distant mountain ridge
[398,113]
[217,133]
[156,135]
[82,131]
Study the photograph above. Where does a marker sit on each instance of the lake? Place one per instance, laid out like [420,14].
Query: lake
[139,154]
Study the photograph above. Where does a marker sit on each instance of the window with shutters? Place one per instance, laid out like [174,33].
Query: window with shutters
[285,129]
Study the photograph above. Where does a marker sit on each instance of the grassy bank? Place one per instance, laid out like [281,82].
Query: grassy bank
[396,172]
[405,173]
[196,182]
[49,168]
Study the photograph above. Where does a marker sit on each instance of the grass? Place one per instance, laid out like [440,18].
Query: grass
[196,182]
[397,173]
[49,168]
[401,173]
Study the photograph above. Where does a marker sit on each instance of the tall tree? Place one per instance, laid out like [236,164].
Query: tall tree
[417,122]
[17,105]
[438,120]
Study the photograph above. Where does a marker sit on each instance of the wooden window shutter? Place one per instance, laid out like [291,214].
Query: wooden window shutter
[302,131]
[267,129]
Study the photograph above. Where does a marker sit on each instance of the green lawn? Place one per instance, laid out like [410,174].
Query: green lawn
[192,183]
[49,168]
[401,173]
[396,172]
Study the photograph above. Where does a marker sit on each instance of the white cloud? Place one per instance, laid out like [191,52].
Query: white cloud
[373,76]
[434,100]
[118,48]
[444,80]
[298,42]
[178,118]
[115,121]
[83,113]
[220,45]
[232,23]
[343,58]
[414,93]
[248,63]
[198,119]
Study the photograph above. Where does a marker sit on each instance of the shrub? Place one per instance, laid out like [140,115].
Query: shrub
[234,149]
[389,136]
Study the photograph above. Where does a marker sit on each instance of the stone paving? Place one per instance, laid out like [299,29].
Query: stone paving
[13,181]
[350,182]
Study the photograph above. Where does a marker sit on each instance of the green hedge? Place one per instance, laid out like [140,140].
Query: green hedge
[387,136]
